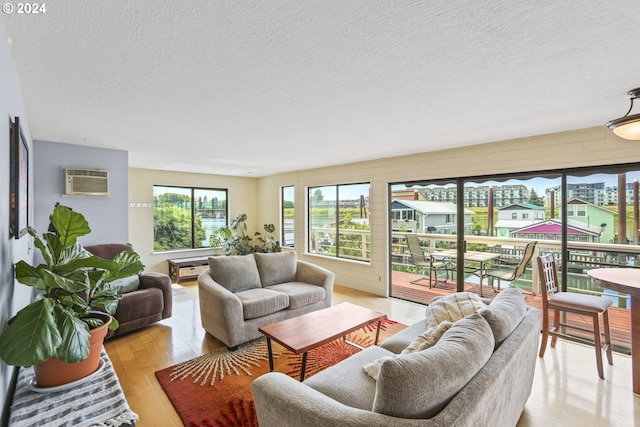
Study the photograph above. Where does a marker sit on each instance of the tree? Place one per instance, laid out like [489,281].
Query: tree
[172,226]
[317,196]
[534,199]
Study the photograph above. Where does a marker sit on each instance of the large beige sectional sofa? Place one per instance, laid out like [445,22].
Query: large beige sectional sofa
[239,294]
[479,373]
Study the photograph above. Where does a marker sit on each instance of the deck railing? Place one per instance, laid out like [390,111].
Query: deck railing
[582,257]
[356,245]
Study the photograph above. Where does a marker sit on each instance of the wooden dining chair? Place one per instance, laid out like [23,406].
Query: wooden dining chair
[570,302]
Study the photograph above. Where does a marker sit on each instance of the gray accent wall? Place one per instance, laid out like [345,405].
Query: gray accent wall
[107,215]
[13,296]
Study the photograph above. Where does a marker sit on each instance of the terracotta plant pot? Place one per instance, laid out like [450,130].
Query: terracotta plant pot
[55,372]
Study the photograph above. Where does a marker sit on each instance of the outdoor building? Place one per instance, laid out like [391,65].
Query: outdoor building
[517,216]
[611,194]
[551,229]
[592,215]
[593,193]
[478,196]
[427,217]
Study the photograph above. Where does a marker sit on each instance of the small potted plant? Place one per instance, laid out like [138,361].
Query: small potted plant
[236,241]
[75,301]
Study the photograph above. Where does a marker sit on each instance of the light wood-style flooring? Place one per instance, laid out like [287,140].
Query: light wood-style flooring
[566,389]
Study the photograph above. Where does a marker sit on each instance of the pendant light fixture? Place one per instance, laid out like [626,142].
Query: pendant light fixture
[627,126]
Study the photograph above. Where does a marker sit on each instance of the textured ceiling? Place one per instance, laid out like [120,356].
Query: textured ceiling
[261,87]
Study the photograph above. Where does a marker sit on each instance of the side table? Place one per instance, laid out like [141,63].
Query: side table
[187,268]
[99,401]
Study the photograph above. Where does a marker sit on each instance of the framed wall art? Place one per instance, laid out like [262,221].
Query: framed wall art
[19,194]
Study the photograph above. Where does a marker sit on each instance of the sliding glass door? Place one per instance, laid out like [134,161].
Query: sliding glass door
[586,217]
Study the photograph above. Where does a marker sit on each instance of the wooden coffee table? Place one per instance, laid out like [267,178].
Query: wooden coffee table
[308,331]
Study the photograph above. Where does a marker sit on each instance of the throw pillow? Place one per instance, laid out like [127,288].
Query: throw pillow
[453,307]
[126,284]
[373,369]
[438,373]
[422,342]
[236,273]
[428,338]
[504,313]
[276,268]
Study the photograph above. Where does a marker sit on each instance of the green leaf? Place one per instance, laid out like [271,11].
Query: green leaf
[42,245]
[69,224]
[106,299]
[75,337]
[29,275]
[32,336]
[54,281]
[71,264]
[53,248]
[70,254]
[129,265]
[74,302]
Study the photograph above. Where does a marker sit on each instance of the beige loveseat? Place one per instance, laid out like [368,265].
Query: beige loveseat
[239,294]
[479,373]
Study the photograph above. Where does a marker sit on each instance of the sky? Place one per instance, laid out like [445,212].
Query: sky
[541,184]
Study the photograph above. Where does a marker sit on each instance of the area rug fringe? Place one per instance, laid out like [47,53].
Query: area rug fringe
[218,363]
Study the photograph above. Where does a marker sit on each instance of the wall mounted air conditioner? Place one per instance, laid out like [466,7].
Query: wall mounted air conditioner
[86,182]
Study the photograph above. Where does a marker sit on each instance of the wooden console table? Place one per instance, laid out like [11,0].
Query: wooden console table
[187,268]
[99,401]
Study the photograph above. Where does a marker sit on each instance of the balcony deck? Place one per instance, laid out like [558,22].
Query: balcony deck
[619,318]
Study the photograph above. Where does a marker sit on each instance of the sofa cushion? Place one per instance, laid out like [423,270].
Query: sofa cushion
[259,302]
[452,307]
[504,313]
[236,273]
[126,284]
[346,382]
[139,306]
[427,339]
[274,268]
[401,340]
[300,294]
[421,384]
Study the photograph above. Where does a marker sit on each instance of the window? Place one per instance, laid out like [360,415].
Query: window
[514,215]
[186,217]
[287,214]
[581,211]
[402,215]
[339,221]
[570,211]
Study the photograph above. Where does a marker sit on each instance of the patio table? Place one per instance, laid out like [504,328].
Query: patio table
[482,258]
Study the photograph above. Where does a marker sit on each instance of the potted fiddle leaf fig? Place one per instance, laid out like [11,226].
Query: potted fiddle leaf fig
[75,299]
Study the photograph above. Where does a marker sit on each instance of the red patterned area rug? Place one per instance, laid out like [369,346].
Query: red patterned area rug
[215,389]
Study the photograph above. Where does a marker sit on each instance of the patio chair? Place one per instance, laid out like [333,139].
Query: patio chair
[508,271]
[571,302]
[425,261]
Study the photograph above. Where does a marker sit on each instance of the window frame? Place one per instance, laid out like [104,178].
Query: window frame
[335,242]
[193,200]
[283,227]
